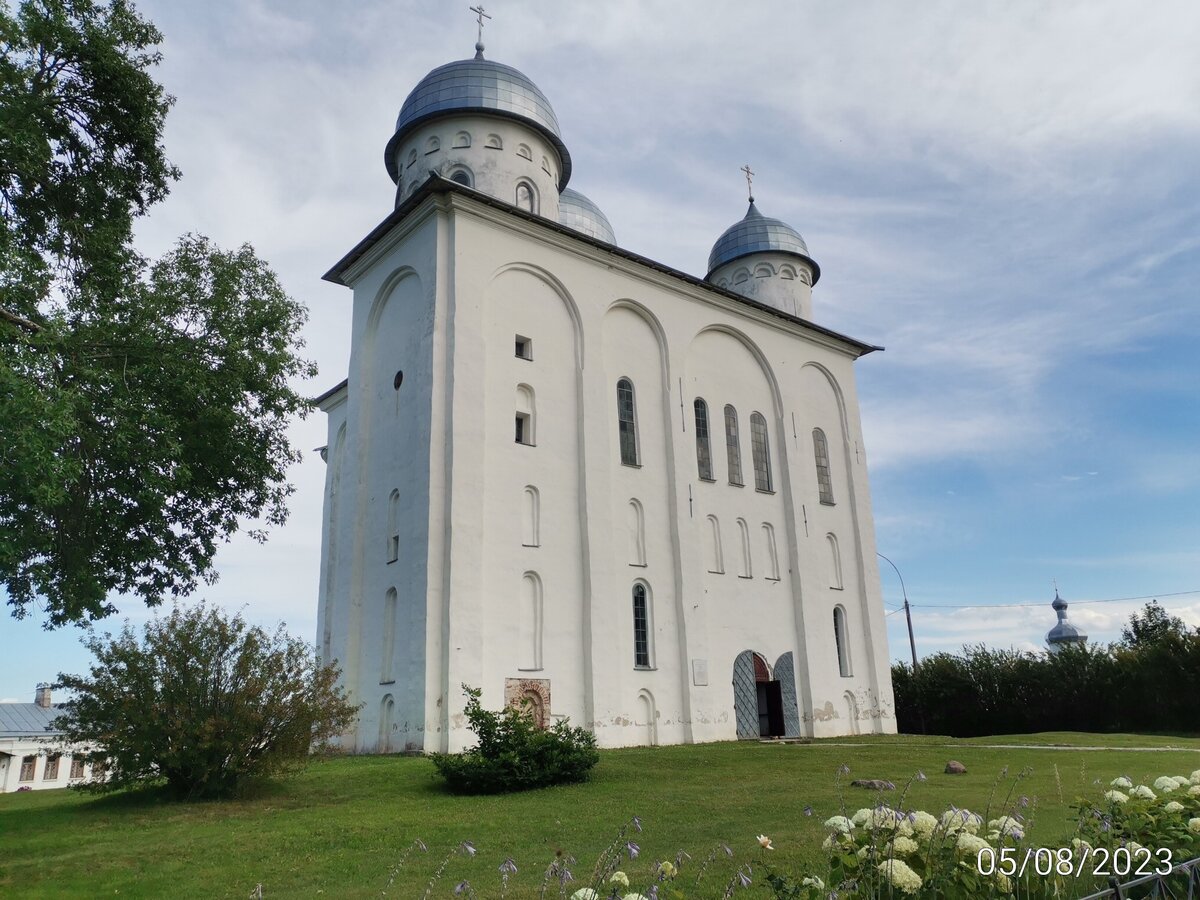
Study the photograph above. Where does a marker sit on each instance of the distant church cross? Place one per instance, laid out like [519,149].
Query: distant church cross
[480,15]
[749,181]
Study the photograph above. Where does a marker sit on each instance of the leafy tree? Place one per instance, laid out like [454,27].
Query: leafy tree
[203,702]
[1153,625]
[144,406]
[514,753]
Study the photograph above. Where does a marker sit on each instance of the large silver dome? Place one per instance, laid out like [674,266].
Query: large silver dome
[578,213]
[1064,632]
[478,85]
[757,234]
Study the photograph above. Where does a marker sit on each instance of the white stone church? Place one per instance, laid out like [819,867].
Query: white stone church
[575,477]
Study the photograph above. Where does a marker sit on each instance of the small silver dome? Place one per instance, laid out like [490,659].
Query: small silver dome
[1064,632]
[757,234]
[578,213]
[478,85]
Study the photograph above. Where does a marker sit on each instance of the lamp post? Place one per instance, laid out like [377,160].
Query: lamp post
[907,613]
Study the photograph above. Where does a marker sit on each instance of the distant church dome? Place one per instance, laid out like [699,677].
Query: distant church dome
[478,86]
[578,213]
[758,234]
[1064,632]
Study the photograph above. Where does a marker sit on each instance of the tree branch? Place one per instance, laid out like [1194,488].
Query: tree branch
[19,321]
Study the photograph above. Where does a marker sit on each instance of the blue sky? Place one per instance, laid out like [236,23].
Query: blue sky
[1003,194]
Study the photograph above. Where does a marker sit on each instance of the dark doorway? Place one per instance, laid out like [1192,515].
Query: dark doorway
[758,698]
[770,703]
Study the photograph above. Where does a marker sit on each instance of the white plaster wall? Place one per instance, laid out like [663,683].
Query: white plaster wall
[779,280]
[10,766]
[493,170]
[482,277]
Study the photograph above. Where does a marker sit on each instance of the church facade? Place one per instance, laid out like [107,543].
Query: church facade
[579,479]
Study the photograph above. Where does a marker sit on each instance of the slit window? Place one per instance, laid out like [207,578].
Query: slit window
[641,627]
[824,478]
[839,636]
[733,449]
[761,451]
[703,443]
[627,422]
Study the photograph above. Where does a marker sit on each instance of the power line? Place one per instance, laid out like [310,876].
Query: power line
[1043,603]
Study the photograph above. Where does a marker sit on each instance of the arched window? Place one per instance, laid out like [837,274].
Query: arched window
[761,451]
[703,445]
[524,152]
[641,627]
[412,156]
[763,270]
[733,449]
[627,423]
[824,480]
[525,415]
[387,723]
[462,175]
[747,570]
[637,533]
[772,552]
[835,562]
[529,648]
[531,517]
[393,541]
[526,197]
[389,638]
[493,142]
[433,145]
[716,562]
[461,140]
[841,637]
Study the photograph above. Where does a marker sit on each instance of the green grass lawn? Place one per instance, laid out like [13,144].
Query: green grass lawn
[337,829]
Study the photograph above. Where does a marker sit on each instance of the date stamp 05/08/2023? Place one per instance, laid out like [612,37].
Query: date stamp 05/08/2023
[1083,861]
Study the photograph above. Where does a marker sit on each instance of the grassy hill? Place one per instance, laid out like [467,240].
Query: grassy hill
[337,829]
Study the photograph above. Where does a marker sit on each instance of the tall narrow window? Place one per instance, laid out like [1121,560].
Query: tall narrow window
[824,480]
[28,764]
[835,562]
[51,773]
[637,533]
[627,422]
[525,421]
[716,561]
[744,533]
[388,651]
[76,767]
[772,552]
[703,444]
[761,451]
[529,651]
[733,449]
[526,197]
[641,627]
[393,541]
[531,517]
[840,637]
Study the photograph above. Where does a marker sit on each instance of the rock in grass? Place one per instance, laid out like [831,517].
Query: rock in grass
[954,767]
[873,784]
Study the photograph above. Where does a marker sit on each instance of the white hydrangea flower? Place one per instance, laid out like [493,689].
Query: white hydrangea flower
[1003,882]
[970,845]
[1164,784]
[619,878]
[1116,797]
[835,841]
[1194,825]
[1194,790]
[1195,779]
[813,881]
[861,818]
[1143,793]
[901,845]
[1007,825]
[635,897]
[900,875]
[1080,844]
[840,824]
[1174,806]
[924,824]
[1122,783]
[1134,847]
[585,894]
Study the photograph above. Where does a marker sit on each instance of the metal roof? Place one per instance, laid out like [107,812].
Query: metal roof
[27,719]
[757,233]
[579,213]
[478,85]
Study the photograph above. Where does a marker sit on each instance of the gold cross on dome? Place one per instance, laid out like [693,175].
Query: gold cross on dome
[749,181]
[480,15]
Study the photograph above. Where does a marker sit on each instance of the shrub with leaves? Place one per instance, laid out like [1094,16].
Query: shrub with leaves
[202,701]
[514,753]
[1162,815]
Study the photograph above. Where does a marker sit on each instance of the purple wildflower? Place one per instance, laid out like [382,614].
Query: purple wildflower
[633,849]
[921,776]
[420,843]
[808,810]
[468,848]
[728,852]
[744,877]
[843,769]
[637,823]
[1023,801]
[508,867]
[462,887]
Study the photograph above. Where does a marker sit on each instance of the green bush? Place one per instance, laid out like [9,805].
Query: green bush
[514,753]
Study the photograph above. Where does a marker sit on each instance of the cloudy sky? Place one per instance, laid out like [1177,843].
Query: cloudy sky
[1006,195]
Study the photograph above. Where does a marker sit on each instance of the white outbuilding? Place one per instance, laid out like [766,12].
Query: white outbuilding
[30,757]
[572,476]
